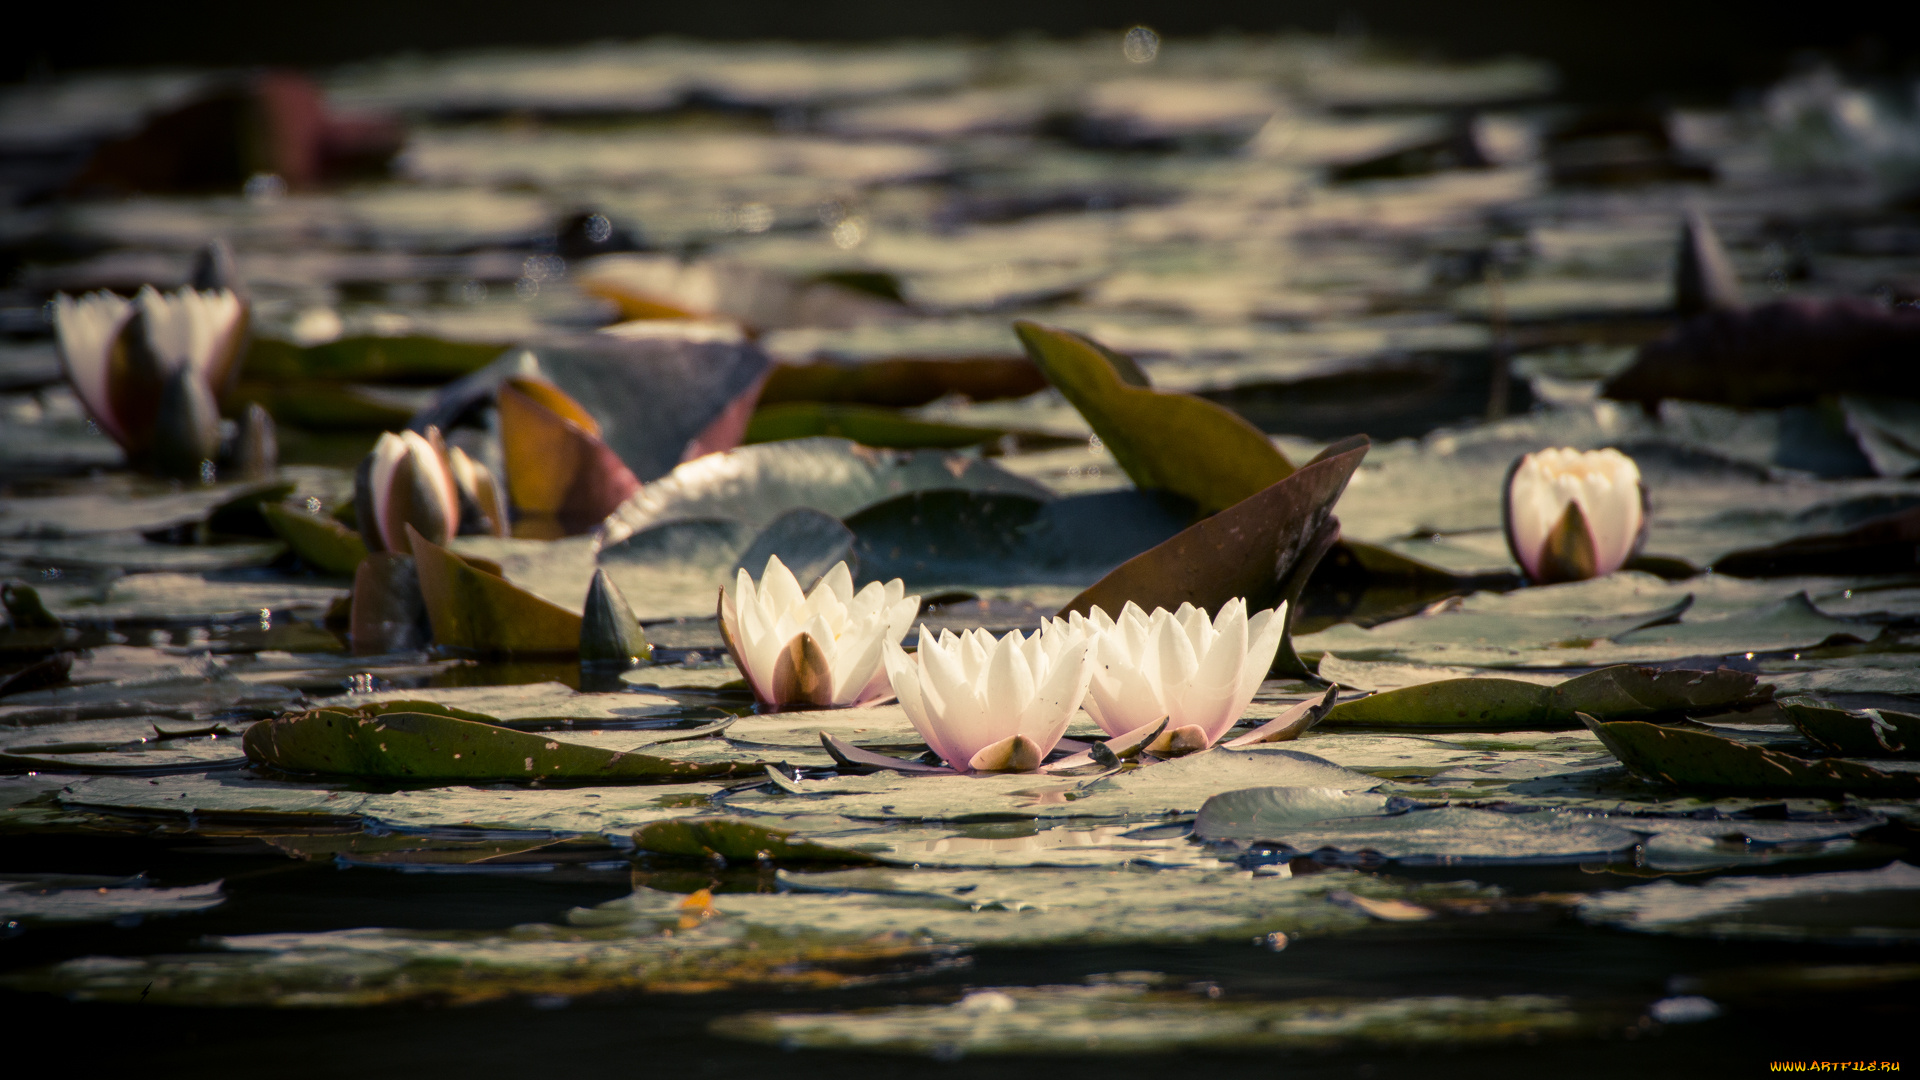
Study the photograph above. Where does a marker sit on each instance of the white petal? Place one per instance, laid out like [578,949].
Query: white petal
[1264,632]
[86,329]
[781,589]
[839,582]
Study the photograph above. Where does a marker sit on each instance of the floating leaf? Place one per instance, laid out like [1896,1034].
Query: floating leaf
[867,425]
[324,543]
[1444,835]
[1853,906]
[1165,441]
[985,538]
[809,542]
[473,609]
[70,898]
[1882,545]
[1855,732]
[738,841]
[421,741]
[1493,704]
[1698,759]
[1109,1021]
[756,484]
[1265,813]
[414,359]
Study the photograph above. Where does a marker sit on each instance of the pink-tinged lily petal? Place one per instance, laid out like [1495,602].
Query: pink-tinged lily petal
[86,330]
[1209,702]
[1264,632]
[1605,483]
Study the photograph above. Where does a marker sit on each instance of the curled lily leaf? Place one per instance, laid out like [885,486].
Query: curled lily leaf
[1573,515]
[818,648]
[558,467]
[1199,673]
[406,480]
[120,356]
[256,445]
[992,705]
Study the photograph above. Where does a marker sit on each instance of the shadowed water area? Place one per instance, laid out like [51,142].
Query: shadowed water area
[692,304]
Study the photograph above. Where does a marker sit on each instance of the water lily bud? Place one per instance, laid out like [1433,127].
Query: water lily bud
[1573,515]
[186,429]
[821,648]
[609,634]
[256,446]
[1199,673]
[992,705]
[482,510]
[406,481]
[120,355]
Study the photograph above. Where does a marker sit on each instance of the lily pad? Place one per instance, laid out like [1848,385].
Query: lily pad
[417,741]
[1447,835]
[1111,1020]
[1165,441]
[756,484]
[1862,906]
[322,542]
[867,425]
[737,840]
[983,539]
[64,898]
[1494,704]
[1714,762]
[1856,732]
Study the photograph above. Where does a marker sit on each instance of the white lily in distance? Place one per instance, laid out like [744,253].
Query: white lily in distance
[821,648]
[1573,515]
[131,361]
[1199,673]
[992,705]
[406,480]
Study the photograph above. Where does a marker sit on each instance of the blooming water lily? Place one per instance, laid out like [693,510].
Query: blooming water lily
[1198,672]
[1573,515]
[817,648]
[149,369]
[988,704]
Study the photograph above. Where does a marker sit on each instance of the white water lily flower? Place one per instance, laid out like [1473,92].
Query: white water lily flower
[408,482]
[1197,672]
[817,648]
[187,329]
[1572,515]
[990,704]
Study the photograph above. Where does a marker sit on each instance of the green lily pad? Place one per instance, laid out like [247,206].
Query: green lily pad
[1258,813]
[1865,906]
[1701,760]
[413,359]
[867,425]
[1165,441]
[1493,704]
[985,539]
[58,898]
[1856,732]
[322,542]
[756,484]
[132,553]
[1115,1020]
[429,743]
[737,840]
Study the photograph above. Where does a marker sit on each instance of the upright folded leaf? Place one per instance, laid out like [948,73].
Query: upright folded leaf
[557,465]
[1255,550]
[473,609]
[1167,441]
